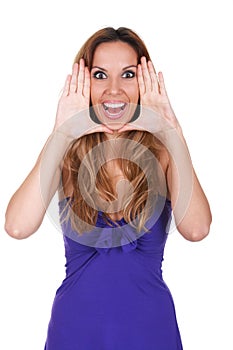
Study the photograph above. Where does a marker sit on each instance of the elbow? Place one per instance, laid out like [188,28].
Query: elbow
[198,234]
[14,232]
[17,232]
[197,229]
[195,234]
[21,226]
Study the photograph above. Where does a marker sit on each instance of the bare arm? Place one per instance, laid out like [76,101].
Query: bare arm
[189,203]
[29,203]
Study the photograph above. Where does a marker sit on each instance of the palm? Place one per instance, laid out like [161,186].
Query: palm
[153,92]
[76,93]
[157,114]
[73,116]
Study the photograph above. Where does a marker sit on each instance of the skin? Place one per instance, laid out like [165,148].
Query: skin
[193,216]
[188,198]
[114,79]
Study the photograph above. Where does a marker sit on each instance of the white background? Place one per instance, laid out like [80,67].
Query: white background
[191,42]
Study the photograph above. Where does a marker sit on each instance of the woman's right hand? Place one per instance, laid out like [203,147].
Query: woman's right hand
[73,116]
[29,203]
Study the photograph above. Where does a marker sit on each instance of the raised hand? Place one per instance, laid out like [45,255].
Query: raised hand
[76,93]
[156,112]
[153,93]
[73,116]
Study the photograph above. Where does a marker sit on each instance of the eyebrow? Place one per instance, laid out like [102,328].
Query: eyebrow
[105,70]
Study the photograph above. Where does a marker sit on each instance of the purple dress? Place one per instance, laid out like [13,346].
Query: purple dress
[114,296]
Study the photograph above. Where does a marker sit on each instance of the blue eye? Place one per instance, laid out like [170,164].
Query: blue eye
[99,75]
[128,74]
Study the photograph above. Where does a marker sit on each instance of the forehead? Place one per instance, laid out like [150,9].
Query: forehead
[114,53]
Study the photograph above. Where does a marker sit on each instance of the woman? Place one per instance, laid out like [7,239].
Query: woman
[120,163]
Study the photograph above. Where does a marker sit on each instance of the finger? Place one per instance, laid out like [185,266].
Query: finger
[141,84]
[86,87]
[100,128]
[73,83]
[153,76]
[66,88]
[125,128]
[129,127]
[80,85]
[162,88]
[104,128]
[146,75]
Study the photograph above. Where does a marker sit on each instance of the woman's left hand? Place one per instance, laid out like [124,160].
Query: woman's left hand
[157,114]
[153,94]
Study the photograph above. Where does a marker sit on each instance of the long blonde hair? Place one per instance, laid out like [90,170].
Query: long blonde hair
[96,181]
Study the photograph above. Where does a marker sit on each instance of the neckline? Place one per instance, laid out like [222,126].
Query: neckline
[101,215]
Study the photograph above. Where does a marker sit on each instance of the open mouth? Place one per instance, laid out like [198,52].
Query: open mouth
[114,110]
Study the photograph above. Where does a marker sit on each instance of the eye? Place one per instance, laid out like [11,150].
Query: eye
[99,75]
[128,74]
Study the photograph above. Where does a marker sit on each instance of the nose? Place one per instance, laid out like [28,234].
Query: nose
[114,87]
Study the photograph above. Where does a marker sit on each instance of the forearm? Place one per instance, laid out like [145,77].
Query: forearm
[28,205]
[190,205]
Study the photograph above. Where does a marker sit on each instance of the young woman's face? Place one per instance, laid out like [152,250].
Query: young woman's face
[114,86]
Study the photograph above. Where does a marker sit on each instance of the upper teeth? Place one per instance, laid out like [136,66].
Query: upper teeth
[114,105]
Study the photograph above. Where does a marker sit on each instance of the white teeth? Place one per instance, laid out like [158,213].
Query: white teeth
[113,105]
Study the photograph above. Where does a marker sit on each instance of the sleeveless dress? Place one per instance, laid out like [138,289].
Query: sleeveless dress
[114,296]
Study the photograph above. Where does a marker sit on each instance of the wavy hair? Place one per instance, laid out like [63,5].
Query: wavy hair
[95,182]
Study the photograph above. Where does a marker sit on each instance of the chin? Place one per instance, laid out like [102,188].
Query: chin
[115,126]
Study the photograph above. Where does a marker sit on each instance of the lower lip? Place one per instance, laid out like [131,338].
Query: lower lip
[114,116]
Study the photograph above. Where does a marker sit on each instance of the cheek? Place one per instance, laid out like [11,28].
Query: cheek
[133,92]
[95,90]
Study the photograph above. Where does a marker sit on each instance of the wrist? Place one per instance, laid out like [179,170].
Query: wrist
[172,135]
[76,126]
